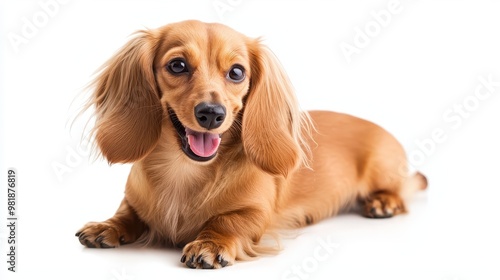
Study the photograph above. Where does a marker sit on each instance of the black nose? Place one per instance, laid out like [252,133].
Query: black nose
[210,116]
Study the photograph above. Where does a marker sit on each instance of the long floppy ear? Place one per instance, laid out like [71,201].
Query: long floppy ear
[128,109]
[271,129]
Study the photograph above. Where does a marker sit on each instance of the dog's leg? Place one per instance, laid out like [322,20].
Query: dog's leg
[382,197]
[123,228]
[224,238]
[385,199]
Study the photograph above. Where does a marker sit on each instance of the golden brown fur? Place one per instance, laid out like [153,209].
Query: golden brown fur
[260,178]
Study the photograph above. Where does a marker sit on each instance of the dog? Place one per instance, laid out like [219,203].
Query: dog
[221,152]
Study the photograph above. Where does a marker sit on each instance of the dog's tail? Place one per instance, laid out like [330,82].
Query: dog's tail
[414,183]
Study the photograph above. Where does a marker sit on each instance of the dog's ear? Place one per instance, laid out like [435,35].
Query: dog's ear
[271,131]
[127,103]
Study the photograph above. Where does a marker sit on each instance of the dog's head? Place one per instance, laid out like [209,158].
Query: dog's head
[200,77]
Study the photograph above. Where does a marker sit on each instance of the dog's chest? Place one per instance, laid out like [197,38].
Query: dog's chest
[180,205]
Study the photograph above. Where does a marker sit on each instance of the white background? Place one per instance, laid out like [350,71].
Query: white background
[427,59]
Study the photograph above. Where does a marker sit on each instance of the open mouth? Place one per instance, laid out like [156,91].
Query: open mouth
[199,146]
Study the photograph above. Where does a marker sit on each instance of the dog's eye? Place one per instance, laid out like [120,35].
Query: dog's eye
[177,66]
[236,74]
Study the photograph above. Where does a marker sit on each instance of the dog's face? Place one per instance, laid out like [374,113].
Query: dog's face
[203,74]
[199,77]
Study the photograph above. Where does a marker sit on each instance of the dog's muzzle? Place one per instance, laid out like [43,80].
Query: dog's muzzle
[200,146]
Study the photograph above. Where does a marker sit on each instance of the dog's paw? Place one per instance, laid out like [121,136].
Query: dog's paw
[383,205]
[102,235]
[206,254]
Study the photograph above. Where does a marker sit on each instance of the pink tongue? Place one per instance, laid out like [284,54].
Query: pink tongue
[203,144]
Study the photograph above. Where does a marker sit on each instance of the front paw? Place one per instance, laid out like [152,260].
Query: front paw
[102,235]
[207,254]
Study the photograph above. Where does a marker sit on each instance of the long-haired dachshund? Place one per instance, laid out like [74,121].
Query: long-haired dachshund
[221,153]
